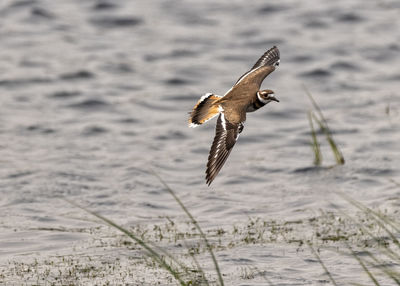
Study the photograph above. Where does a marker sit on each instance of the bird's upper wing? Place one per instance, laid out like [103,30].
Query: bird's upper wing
[262,68]
[226,134]
[269,58]
[251,81]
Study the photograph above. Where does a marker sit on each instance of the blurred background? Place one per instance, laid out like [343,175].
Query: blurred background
[94,94]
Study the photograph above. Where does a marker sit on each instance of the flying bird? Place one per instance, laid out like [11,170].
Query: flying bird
[245,96]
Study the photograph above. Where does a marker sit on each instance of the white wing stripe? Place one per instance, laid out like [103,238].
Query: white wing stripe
[241,78]
[246,74]
[223,121]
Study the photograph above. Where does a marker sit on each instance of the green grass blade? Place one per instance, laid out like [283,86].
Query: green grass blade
[170,256]
[315,144]
[200,269]
[390,253]
[388,222]
[316,106]
[336,152]
[378,218]
[153,254]
[202,235]
[392,274]
[321,263]
[366,270]
[325,128]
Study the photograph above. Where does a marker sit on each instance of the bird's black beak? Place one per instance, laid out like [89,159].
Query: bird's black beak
[271,96]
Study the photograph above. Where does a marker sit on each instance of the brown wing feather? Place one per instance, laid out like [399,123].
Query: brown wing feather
[226,134]
[250,82]
[269,58]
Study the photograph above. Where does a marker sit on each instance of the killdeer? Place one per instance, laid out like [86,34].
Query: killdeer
[243,97]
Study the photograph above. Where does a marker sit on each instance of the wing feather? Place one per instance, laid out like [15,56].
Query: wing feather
[265,65]
[269,58]
[226,134]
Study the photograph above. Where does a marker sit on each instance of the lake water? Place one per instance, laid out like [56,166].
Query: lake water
[95,94]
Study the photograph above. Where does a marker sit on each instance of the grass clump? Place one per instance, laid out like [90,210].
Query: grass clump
[387,247]
[164,259]
[202,235]
[367,240]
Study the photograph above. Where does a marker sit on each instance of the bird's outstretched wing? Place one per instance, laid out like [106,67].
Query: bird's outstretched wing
[226,135]
[269,58]
[268,61]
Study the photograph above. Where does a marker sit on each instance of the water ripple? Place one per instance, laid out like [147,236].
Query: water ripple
[94,130]
[104,5]
[317,73]
[22,3]
[21,82]
[176,81]
[342,65]
[64,94]
[82,74]
[42,13]
[90,104]
[349,17]
[112,22]
[272,8]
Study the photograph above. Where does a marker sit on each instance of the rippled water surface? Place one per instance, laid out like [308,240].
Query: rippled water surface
[94,94]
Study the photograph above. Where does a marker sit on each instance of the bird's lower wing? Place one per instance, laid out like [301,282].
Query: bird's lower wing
[226,135]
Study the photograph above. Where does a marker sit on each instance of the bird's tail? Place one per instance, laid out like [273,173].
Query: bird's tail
[204,110]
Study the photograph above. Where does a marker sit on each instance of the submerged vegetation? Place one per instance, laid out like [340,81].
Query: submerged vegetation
[378,252]
[183,274]
[368,237]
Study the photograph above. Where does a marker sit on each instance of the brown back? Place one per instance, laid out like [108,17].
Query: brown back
[235,102]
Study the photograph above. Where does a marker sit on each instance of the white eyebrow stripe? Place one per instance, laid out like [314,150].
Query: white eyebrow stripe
[261,99]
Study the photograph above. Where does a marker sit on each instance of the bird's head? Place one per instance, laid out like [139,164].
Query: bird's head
[266,96]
